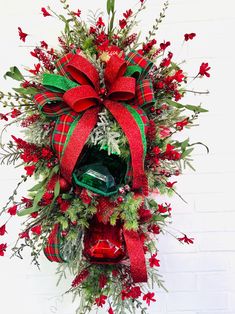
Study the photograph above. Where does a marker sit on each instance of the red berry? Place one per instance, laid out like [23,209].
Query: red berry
[158,111]
[64,185]
[152,109]
[74,223]
[177,172]
[64,233]
[120,199]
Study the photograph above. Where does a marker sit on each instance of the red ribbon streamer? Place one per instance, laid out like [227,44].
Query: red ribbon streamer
[136,255]
[77,141]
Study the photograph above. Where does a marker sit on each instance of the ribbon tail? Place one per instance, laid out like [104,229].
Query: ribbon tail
[77,142]
[53,246]
[136,254]
[134,136]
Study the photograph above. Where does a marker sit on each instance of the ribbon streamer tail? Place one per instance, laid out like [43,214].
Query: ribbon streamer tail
[136,254]
[77,142]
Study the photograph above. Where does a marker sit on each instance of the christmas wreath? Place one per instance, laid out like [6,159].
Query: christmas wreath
[99,117]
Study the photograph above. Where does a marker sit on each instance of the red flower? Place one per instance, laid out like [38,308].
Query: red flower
[149,297]
[44,44]
[22,34]
[162,209]
[179,76]
[135,292]
[15,113]
[3,117]
[171,154]
[127,14]
[78,13]
[12,210]
[24,235]
[153,261]
[3,230]
[80,278]
[37,230]
[64,204]
[46,153]
[102,281]
[45,12]
[177,95]
[156,150]
[144,214]
[34,215]
[189,36]
[164,45]
[204,68]
[36,69]
[185,239]
[101,300]
[122,23]
[92,30]
[125,294]
[170,185]
[3,248]
[100,22]
[155,229]
[110,311]
[30,170]
[181,124]
[86,199]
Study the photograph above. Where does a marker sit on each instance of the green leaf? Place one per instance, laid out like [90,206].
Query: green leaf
[63,221]
[189,107]
[26,91]
[196,108]
[184,144]
[110,6]
[26,211]
[187,152]
[67,196]
[14,73]
[38,186]
[174,104]
[112,22]
[37,199]
[57,190]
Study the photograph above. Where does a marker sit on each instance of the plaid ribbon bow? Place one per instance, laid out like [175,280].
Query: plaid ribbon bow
[75,97]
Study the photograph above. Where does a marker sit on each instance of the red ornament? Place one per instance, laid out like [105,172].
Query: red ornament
[64,185]
[104,243]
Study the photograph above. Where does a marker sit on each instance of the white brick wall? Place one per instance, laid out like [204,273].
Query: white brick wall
[200,278]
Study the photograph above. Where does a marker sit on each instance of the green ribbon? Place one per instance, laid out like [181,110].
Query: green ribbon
[57,83]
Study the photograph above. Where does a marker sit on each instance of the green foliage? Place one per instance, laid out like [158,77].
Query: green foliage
[14,73]
[129,211]
[197,109]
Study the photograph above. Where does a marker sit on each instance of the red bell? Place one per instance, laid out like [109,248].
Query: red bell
[104,243]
